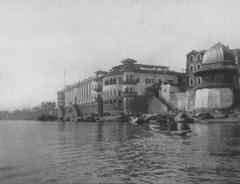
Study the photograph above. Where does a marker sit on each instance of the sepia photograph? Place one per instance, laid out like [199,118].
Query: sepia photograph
[119,92]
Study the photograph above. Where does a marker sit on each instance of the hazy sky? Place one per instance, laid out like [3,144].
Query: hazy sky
[39,38]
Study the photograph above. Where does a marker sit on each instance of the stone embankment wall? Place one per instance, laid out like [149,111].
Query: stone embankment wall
[155,105]
[178,100]
[88,109]
[214,98]
[182,100]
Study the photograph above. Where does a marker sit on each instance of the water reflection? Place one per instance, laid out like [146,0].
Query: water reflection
[68,152]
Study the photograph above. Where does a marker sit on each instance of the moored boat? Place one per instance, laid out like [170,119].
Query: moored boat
[157,128]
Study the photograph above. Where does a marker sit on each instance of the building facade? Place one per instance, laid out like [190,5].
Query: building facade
[219,73]
[193,64]
[121,90]
[211,81]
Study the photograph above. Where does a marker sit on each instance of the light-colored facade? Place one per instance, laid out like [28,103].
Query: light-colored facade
[121,90]
[126,84]
[219,75]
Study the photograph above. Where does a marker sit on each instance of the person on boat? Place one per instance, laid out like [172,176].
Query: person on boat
[163,122]
[171,124]
[184,122]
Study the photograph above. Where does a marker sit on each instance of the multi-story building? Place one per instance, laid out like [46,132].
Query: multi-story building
[219,73]
[124,87]
[121,90]
[193,64]
[82,98]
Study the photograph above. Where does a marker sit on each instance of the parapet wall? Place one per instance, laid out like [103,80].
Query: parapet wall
[88,109]
[136,104]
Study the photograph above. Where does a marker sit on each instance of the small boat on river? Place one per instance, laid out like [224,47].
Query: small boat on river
[157,128]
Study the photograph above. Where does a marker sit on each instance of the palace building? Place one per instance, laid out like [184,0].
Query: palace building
[121,90]
[211,82]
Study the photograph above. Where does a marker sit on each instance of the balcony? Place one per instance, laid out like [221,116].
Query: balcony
[129,94]
[131,81]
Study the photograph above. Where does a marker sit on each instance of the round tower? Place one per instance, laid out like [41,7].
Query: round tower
[218,79]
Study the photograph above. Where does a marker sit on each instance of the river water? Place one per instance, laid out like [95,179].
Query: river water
[34,152]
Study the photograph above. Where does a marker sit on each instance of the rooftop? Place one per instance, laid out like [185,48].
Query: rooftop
[218,53]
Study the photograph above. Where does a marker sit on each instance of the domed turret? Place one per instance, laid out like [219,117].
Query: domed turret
[218,53]
[218,79]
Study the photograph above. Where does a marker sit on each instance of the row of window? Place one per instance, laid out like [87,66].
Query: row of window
[111,93]
[128,90]
[129,77]
[112,101]
[191,67]
[192,81]
[195,57]
[112,104]
[112,81]
[150,81]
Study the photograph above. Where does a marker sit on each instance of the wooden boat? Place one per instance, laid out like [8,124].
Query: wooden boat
[156,128]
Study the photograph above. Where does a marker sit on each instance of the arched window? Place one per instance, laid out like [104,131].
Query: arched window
[120,80]
[191,68]
[191,58]
[198,66]
[199,80]
[130,90]
[114,81]
[199,57]
[106,82]
[127,90]
[191,82]
[119,92]
[110,81]
[127,77]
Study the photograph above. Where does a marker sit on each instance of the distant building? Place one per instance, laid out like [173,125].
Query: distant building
[124,87]
[48,108]
[211,81]
[82,98]
[219,73]
[121,90]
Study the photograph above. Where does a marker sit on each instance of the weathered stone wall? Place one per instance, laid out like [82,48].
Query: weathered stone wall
[190,97]
[88,109]
[179,100]
[140,104]
[136,104]
[214,98]
[155,106]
